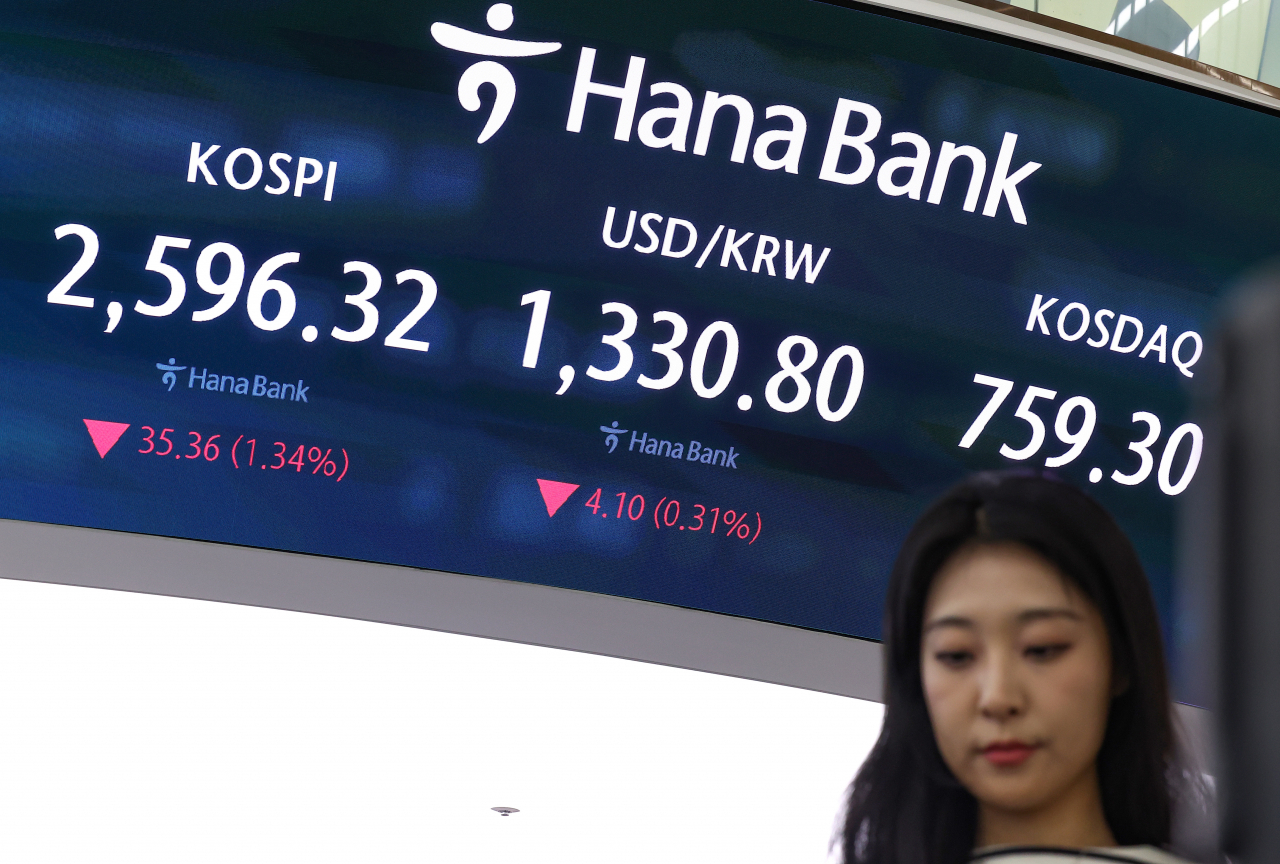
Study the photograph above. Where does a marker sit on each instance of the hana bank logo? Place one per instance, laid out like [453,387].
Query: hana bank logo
[499,18]
[611,434]
[169,377]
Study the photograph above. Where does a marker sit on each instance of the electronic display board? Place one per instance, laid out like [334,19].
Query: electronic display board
[695,303]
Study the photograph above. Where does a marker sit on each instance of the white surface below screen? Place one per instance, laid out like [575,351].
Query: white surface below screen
[152,729]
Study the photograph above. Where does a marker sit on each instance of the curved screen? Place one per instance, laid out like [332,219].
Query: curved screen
[685,302]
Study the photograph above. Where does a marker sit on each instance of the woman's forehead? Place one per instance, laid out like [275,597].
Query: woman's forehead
[1005,580]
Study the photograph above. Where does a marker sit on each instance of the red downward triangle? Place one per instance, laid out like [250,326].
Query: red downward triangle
[105,434]
[555,493]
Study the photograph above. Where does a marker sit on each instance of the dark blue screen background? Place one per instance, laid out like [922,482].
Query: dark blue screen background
[1151,201]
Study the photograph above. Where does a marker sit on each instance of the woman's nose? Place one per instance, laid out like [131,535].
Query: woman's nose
[1000,697]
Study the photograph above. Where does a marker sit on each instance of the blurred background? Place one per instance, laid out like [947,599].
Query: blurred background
[1238,35]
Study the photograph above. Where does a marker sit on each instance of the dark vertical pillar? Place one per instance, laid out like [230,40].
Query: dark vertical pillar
[1246,474]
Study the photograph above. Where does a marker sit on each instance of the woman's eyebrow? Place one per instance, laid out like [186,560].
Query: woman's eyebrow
[1030,615]
[949,621]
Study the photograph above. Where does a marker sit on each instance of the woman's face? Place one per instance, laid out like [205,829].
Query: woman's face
[1016,667]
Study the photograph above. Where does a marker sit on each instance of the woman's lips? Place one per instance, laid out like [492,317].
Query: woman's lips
[1008,754]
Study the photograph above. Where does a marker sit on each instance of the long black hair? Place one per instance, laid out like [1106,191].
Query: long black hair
[905,806]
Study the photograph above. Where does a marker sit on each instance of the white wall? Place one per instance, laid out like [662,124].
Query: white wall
[143,728]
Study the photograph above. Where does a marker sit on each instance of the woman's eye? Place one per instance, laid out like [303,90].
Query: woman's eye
[1043,653]
[953,659]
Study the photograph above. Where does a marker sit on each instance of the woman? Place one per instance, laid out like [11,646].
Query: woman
[1027,713]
